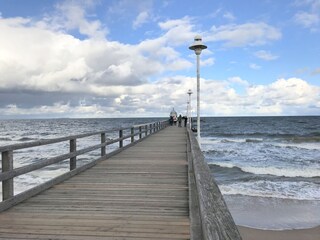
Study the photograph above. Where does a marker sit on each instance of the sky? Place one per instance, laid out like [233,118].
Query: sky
[131,58]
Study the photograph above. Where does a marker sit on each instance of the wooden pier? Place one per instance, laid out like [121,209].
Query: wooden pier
[149,190]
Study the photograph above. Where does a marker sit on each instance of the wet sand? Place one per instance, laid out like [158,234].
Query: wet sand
[296,234]
[274,213]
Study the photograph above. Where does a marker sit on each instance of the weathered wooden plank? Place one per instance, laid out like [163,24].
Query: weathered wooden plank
[104,233]
[73,148]
[146,198]
[195,219]
[93,222]
[33,191]
[7,166]
[98,216]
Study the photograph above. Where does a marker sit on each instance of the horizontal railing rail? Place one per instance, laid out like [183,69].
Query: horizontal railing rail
[9,172]
[210,216]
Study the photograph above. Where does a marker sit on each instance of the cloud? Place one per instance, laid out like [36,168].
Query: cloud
[61,62]
[316,71]
[254,66]
[238,80]
[138,12]
[207,62]
[262,54]
[292,96]
[292,92]
[44,68]
[229,16]
[140,20]
[307,19]
[310,17]
[178,31]
[72,15]
[248,34]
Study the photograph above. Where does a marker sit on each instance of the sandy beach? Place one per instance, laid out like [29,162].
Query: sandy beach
[299,234]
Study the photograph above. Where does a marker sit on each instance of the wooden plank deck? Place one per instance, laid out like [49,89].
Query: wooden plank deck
[140,193]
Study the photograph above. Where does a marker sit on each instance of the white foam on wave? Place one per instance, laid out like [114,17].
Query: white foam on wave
[274,189]
[27,181]
[210,140]
[223,164]
[307,145]
[285,172]
[275,171]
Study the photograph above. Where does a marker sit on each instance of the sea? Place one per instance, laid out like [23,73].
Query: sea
[267,168]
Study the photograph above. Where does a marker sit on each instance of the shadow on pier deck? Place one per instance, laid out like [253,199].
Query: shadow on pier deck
[147,191]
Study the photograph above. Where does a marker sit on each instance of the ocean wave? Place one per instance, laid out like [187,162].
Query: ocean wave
[254,140]
[302,139]
[283,172]
[275,189]
[208,141]
[5,139]
[27,181]
[296,138]
[280,172]
[302,145]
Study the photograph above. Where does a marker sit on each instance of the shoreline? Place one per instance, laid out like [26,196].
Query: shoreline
[293,234]
[273,213]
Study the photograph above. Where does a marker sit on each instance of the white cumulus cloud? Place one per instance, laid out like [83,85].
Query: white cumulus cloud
[248,34]
[140,20]
[262,54]
[310,17]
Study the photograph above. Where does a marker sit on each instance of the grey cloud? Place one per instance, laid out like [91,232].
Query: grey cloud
[31,99]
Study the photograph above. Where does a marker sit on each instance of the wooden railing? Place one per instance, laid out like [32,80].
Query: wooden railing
[8,173]
[209,214]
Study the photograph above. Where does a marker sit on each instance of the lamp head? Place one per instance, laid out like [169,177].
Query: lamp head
[189,92]
[197,45]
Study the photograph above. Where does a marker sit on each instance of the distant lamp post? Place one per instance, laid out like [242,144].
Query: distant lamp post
[189,108]
[198,46]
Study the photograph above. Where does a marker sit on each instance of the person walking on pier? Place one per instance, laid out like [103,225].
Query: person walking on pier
[171,120]
[179,120]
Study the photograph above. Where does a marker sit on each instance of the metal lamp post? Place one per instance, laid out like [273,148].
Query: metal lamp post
[189,107]
[198,46]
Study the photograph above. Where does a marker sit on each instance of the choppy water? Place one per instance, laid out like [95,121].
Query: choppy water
[266,157]
[269,156]
[257,161]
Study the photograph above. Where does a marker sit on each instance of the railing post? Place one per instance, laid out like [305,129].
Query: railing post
[140,132]
[150,129]
[120,136]
[103,140]
[73,148]
[154,127]
[7,165]
[132,134]
[146,130]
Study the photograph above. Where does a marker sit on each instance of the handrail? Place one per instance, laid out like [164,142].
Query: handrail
[9,173]
[214,216]
[41,142]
